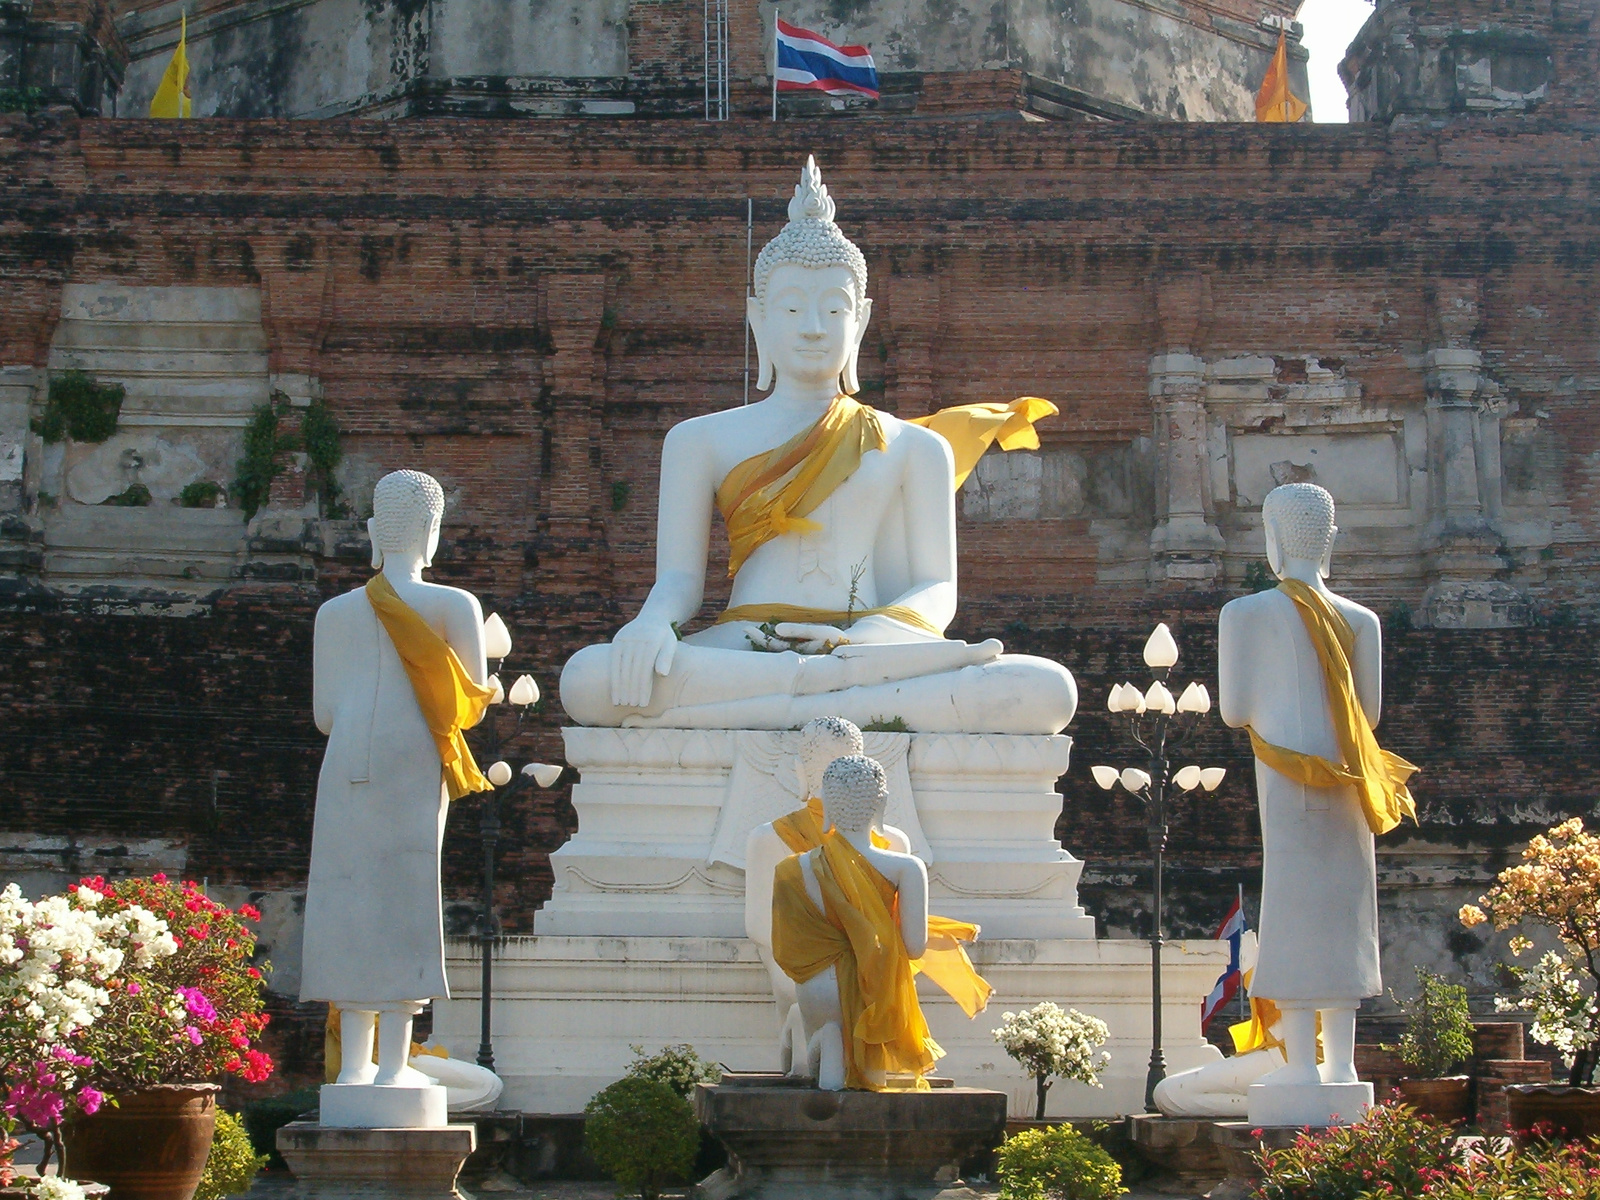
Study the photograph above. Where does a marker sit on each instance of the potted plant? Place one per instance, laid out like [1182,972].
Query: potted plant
[1438,1038]
[1557,885]
[1054,1043]
[170,1029]
[61,962]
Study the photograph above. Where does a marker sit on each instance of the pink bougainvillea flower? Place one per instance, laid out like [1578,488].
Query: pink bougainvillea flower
[90,1100]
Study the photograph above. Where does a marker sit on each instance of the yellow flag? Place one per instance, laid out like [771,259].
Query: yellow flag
[172,95]
[1275,102]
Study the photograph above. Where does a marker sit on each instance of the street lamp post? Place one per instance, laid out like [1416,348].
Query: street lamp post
[1160,726]
[523,695]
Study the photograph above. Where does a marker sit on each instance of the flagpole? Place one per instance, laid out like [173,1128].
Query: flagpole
[1244,1005]
[774,64]
[749,226]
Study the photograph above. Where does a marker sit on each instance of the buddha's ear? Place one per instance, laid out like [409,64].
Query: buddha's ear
[849,380]
[377,554]
[753,314]
[1269,526]
[1326,565]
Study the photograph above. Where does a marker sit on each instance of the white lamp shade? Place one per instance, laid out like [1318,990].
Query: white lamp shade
[1211,777]
[1132,699]
[1195,699]
[544,774]
[1160,651]
[496,692]
[1159,699]
[496,637]
[1114,699]
[499,774]
[1106,777]
[524,691]
[1134,779]
[1188,778]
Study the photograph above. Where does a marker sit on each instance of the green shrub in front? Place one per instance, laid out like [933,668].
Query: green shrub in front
[1393,1151]
[263,1118]
[232,1163]
[1056,1164]
[642,1133]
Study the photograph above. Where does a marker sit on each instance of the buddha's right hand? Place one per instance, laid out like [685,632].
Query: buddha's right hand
[642,649]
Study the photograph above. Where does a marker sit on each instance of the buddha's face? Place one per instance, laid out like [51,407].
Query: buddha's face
[810,328]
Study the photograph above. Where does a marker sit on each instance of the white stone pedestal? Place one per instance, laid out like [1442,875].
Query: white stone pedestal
[567,1009]
[382,1106]
[663,815]
[1315,1104]
[375,1164]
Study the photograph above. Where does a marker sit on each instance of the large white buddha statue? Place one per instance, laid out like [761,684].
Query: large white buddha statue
[842,533]
[1300,668]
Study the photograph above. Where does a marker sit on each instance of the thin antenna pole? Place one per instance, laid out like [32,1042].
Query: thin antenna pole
[705,47]
[749,227]
[774,64]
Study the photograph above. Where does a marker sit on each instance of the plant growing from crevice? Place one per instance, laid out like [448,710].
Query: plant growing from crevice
[319,434]
[620,491]
[77,407]
[22,100]
[1258,577]
[264,444]
[135,495]
[886,725]
[202,493]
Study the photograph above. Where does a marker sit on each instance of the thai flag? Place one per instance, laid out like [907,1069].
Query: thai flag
[810,63]
[1232,931]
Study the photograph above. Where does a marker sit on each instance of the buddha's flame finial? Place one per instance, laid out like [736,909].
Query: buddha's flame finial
[811,200]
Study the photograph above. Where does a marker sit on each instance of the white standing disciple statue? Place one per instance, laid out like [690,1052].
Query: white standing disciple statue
[399,673]
[842,539]
[1300,668]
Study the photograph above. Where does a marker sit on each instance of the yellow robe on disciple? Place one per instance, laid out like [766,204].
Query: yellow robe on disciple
[857,932]
[772,493]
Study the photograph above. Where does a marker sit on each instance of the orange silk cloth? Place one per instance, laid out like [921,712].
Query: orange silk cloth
[1378,776]
[771,493]
[857,932]
[801,830]
[1275,102]
[449,699]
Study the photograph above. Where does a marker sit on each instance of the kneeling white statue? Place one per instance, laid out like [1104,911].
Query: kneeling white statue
[399,673]
[1300,668]
[842,539]
[850,926]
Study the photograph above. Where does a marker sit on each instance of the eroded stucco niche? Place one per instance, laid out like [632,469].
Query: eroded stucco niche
[1446,501]
[193,363]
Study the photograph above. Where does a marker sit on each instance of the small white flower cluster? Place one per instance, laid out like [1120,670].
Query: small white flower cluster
[1564,1013]
[1051,1041]
[53,1187]
[57,955]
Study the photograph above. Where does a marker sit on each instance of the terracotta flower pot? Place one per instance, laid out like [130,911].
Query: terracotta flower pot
[1570,1112]
[151,1145]
[1448,1099]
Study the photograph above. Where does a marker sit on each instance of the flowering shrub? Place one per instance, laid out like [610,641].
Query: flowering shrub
[1393,1152]
[62,962]
[1054,1043]
[191,1015]
[1557,885]
[1056,1164]
[679,1067]
[1549,1172]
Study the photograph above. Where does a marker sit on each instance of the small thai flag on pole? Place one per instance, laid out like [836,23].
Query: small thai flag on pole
[1231,931]
[808,62]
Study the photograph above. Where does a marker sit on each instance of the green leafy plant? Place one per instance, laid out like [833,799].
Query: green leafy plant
[254,473]
[642,1133]
[1393,1145]
[232,1163]
[1438,1036]
[1056,1164]
[77,407]
[319,434]
[263,1118]
[22,100]
[886,725]
[679,1067]
[135,495]
[202,493]
[1054,1043]
[620,491]
[1258,577]
[1539,1172]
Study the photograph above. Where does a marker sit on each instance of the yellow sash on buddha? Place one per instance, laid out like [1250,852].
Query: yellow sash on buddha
[858,934]
[761,614]
[1378,776]
[449,699]
[1257,1033]
[771,493]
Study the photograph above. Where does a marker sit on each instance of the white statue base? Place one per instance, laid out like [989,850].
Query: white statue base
[663,816]
[1314,1104]
[567,1010]
[383,1106]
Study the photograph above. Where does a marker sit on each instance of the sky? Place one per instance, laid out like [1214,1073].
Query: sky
[1330,26]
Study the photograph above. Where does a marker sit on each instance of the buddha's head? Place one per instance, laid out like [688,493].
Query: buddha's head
[810,307]
[822,740]
[1298,521]
[854,792]
[407,507]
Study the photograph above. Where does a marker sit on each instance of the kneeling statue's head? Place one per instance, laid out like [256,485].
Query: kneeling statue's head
[810,307]
[407,507]
[1297,519]
[854,792]
[823,739]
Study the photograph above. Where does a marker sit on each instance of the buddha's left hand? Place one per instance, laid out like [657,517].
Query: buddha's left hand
[805,638]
